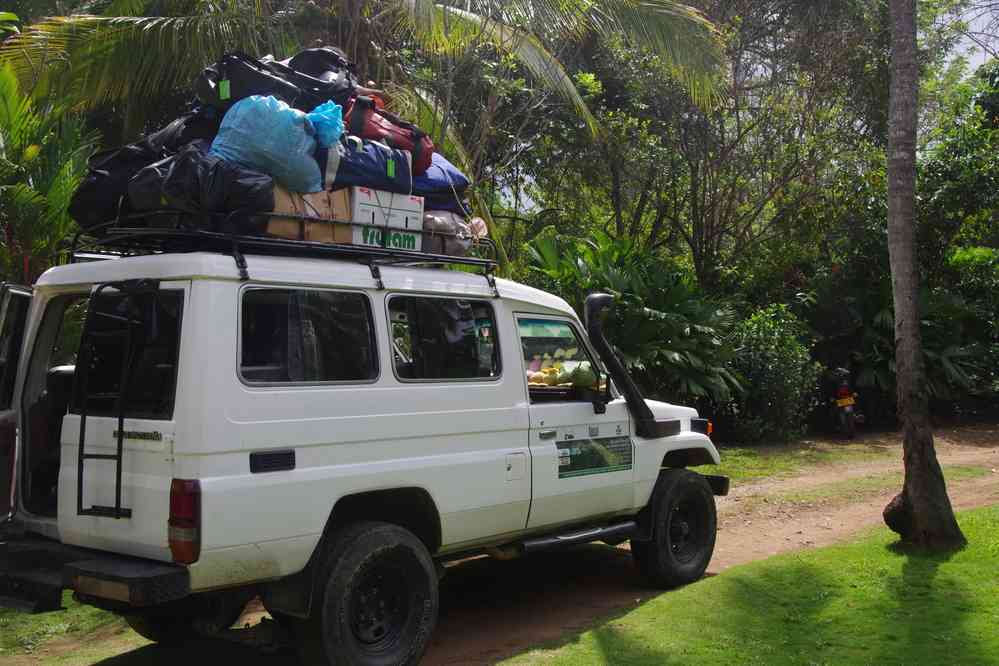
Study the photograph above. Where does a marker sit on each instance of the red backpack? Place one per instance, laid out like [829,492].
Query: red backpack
[365,118]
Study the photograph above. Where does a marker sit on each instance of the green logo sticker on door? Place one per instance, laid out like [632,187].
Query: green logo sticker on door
[582,457]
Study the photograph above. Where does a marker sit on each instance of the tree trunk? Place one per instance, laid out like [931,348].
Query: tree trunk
[921,513]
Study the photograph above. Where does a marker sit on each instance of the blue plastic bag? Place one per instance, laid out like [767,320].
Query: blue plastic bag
[327,118]
[267,135]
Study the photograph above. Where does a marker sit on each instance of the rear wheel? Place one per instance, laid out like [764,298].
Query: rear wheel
[375,600]
[683,531]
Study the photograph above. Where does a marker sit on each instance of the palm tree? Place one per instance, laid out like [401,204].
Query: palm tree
[43,155]
[922,512]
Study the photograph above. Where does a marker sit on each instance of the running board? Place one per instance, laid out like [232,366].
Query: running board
[618,532]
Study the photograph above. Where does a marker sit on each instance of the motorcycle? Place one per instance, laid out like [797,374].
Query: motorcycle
[846,409]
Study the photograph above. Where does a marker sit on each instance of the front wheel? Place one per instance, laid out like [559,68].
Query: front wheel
[375,601]
[683,531]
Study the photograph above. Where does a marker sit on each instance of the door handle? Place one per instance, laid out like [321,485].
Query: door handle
[547,434]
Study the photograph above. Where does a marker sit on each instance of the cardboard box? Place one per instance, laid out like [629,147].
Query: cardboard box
[401,213]
[328,206]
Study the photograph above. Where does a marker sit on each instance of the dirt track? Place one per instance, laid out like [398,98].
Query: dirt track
[491,609]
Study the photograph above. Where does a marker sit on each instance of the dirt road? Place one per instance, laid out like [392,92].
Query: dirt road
[491,609]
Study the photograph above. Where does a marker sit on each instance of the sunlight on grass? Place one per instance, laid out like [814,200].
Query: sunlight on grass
[753,463]
[860,603]
[856,488]
[21,633]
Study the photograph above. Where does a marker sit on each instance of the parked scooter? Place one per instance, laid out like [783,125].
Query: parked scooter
[845,406]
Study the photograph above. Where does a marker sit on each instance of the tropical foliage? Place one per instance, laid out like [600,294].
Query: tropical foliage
[718,165]
[780,376]
[43,152]
[667,332]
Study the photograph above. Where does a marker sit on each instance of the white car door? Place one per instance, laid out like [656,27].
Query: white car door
[581,460]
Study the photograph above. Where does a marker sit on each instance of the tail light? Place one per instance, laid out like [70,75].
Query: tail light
[184,527]
[711,428]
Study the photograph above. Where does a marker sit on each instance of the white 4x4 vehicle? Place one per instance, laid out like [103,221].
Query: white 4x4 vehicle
[321,427]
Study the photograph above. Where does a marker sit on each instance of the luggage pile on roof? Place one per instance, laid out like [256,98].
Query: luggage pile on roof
[292,148]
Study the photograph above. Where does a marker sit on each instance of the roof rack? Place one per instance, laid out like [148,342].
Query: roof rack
[115,240]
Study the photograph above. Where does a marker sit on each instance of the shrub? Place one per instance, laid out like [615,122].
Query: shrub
[778,376]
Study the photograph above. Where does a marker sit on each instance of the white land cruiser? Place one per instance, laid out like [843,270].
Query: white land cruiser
[320,426]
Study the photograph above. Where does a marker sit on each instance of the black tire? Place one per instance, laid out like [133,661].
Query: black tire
[683,531]
[375,600]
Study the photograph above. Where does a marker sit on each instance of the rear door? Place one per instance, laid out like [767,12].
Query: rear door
[14,302]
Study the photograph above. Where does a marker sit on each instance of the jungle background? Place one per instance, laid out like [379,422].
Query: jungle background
[720,166]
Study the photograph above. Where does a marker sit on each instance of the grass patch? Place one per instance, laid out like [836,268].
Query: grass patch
[864,486]
[859,603]
[21,633]
[747,464]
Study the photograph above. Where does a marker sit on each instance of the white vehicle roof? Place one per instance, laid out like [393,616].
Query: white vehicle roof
[299,271]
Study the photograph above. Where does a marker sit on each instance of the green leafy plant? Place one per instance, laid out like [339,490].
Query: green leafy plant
[668,333]
[778,374]
[43,155]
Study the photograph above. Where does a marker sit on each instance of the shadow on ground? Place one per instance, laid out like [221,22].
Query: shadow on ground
[489,610]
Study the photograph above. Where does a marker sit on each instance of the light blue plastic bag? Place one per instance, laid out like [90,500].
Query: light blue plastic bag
[267,135]
[327,118]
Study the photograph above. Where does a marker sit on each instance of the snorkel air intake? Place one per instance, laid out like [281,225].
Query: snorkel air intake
[646,424]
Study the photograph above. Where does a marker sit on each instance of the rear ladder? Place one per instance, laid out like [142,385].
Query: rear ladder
[130,288]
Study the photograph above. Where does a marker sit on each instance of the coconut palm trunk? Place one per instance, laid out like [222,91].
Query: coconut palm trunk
[921,513]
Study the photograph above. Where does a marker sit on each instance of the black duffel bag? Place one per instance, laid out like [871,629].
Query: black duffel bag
[100,197]
[303,81]
[218,195]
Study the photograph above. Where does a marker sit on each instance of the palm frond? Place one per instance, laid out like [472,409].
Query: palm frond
[103,59]
[447,29]
[682,36]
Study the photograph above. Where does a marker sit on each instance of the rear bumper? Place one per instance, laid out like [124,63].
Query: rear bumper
[35,571]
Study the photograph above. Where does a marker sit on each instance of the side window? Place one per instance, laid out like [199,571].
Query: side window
[300,335]
[558,366]
[10,345]
[443,338]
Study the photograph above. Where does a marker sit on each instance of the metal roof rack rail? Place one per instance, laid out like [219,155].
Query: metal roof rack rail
[115,239]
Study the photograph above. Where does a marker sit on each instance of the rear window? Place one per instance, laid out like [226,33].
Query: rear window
[306,336]
[147,363]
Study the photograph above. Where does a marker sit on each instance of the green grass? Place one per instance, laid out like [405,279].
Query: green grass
[21,633]
[747,464]
[862,486]
[860,603]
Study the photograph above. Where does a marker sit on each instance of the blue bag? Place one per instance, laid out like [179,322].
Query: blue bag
[327,118]
[441,177]
[367,164]
[265,134]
